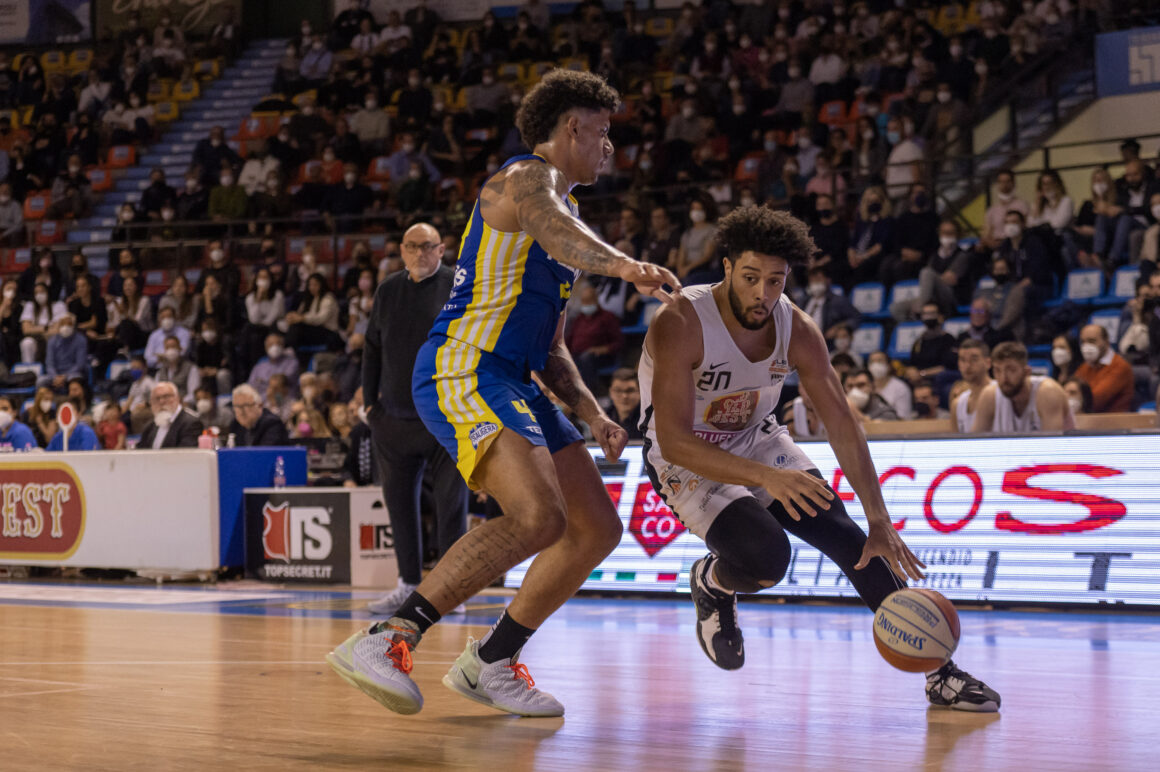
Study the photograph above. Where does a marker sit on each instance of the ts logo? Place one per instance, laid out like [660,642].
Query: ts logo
[460,277]
[295,533]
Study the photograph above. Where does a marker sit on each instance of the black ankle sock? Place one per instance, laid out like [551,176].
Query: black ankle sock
[416,609]
[505,640]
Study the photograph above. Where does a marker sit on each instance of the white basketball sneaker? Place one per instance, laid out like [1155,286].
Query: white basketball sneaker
[392,601]
[504,685]
[379,664]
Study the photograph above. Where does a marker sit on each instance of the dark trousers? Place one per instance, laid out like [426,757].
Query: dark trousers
[404,449]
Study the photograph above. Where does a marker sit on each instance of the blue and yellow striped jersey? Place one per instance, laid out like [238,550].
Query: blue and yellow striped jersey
[508,292]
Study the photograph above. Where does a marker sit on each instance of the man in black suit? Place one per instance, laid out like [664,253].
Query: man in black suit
[254,425]
[172,426]
[826,307]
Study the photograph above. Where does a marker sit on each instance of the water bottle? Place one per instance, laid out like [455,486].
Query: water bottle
[232,440]
[279,472]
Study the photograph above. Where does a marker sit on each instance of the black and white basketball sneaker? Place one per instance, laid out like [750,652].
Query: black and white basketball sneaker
[717,630]
[949,687]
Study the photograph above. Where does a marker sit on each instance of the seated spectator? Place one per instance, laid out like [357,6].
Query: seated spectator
[339,420]
[73,175]
[38,320]
[826,180]
[934,351]
[288,78]
[829,310]
[80,437]
[173,367]
[14,435]
[131,315]
[272,201]
[212,154]
[831,235]
[359,306]
[866,404]
[265,308]
[1079,396]
[228,201]
[1149,248]
[211,356]
[415,194]
[345,145]
[181,301]
[982,328]
[347,200]
[888,386]
[399,162]
[486,98]
[624,399]
[67,355]
[995,218]
[216,304]
[873,239]
[276,362]
[172,426]
[316,63]
[372,126]
[593,337]
[1052,208]
[94,97]
[257,170]
[1130,212]
[1031,265]
[167,327]
[210,413]
[904,162]
[11,218]
[192,202]
[42,270]
[155,197]
[697,251]
[110,428]
[945,280]
[40,416]
[1065,358]
[315,321]
[916,239]
[1107,373]
[221,267]
[926,401]
[663,239]
[840,345]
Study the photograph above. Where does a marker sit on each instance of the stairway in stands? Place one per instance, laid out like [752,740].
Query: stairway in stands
[224,102]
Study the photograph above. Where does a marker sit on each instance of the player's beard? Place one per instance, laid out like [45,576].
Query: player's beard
[739,312]
[1012,393]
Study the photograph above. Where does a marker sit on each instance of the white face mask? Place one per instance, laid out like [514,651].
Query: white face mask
[46,406]
[944,97]
[1076,405]
[6,420]
[9,293]
[168,323]
[162,418]
[1012,230]
[172,354]
[209,336]
[66,331]
[947,241]
[274,351]
[1090,352]
[879,369]
[204,405]
[859,397]
[41,298]
[842,344]
[350,177]
[408,147]
[697,215]
[588,309]
[216,255]
[817,289]
[1061,356]
[372,104]
[262,284]
[74,169]
[1156,211]
[1099,188]
[227,180]
[166,214]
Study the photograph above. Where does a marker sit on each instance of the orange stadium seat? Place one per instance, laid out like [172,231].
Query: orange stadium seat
[100,178]
[122,156]
[36,205]
[378,170]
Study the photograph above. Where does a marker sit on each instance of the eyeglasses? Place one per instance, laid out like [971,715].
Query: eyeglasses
[241,405]
[411,246]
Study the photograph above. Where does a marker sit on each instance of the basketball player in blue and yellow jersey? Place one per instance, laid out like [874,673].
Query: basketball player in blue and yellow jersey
[523,248]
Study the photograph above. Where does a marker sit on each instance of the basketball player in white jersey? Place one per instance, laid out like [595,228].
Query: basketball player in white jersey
[975,367]
[710,375]
[1018,401]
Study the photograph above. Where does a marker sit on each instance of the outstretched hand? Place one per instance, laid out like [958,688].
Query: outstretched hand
[650,280]
[884,542]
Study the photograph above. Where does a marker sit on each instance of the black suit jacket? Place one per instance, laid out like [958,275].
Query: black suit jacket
[183,432]
[268,431]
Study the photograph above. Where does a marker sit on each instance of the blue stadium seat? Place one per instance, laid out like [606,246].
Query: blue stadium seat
[903,338]
[1110,320]
[1122,287]
[868,298]
[1147,407]
[29,367]
[903,291]
[957,325]
[1083,285]
[1039,366]
[867,339]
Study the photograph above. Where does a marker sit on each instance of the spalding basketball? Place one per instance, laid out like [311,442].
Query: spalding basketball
[916,630]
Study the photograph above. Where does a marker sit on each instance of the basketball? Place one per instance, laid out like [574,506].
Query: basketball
[916,630]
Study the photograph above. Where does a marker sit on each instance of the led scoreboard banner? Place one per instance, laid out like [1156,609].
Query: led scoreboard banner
[1072,519]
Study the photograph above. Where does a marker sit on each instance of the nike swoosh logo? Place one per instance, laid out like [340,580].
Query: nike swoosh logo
[719,364]
[469,683]
[419,611]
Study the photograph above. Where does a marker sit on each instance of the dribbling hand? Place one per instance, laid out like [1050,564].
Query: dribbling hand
[650,279]
[797,491]
[884,542]
[610,435]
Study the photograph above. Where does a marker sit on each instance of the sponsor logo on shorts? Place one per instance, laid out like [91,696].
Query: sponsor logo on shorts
[481,431]
[673,484]
[714,437]
[535,430]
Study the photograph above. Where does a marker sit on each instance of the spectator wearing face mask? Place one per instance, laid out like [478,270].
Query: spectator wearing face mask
[916,239]
[945,279]
[210,413]
[228,201]
[829,310]
[167,327]
[222,268]
[11,218]
[259,166]
[1107,373]
[177,369]
[926,403]
[316,63]
[1079,396]
[697,250]
[276,361]
[43,270]
[67,355]
[254,425]
[1032,267]
[593,336]
[14,436]
[110,429]
[172,426]
[212,154]
[864,401]
[372,125]
[1130,212]
[873,239]
[934,351]
[982,327]
[840,345]
[888,386]
[995,218]
[211,356]
[39,319]
[399,162]
[80,437]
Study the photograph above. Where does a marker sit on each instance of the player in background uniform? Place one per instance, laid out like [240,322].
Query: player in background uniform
[521,252]
[975,367]
[1018,401]
[712,369]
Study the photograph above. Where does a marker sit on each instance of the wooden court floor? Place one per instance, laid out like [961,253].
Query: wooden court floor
[134,680]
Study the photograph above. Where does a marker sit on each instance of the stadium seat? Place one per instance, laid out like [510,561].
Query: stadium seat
[1083,285]
[122,157]
[36,205]
[868,298]
[1110,321]
[511,71]
[867,339]
[29,367]
[186,91]
[207,69]
[80,60]
[903,291]
[957,325]
[166,111]
[100,178]
[747,168]
[1147,407]
[1040,366]
[1122,287]
[158,91]
[54,61]
[379,171]
[659,27]
[833,113]
[48,232]
[903,338]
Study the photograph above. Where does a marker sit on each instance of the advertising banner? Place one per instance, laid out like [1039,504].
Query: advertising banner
[1035,519]
[110,509]
[193,16]
[44,22]
[298,535]
[372,545]
[1128,62]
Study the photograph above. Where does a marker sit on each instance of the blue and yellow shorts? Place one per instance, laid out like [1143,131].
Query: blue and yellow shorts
[465,396]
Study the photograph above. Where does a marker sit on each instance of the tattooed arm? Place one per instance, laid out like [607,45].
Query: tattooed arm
[529,197]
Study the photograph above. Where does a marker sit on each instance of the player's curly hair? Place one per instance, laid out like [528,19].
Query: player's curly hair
[559,92]
[767,231]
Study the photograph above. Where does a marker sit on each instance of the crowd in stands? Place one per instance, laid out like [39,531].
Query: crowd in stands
[837,111]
